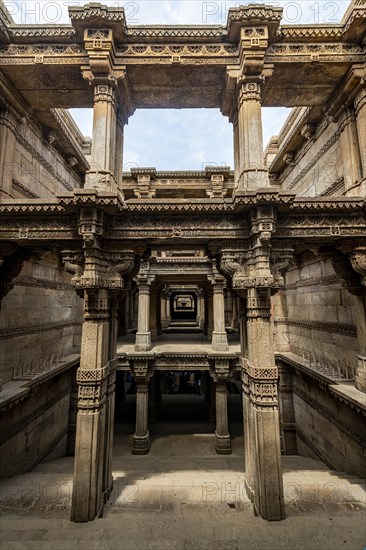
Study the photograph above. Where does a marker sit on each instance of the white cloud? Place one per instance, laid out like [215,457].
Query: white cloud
[178,139]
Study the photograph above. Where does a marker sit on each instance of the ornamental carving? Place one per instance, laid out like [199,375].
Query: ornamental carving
[358,261]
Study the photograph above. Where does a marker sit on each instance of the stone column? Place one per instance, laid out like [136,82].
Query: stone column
[110,396]
[360,111]
[203,313]
[141,438]
[262,434]
[93,378]
[104,160]
[118,160]
[9,123]
[252,171]
[143,335]
[198,308]
[360,319]
[219,336]
[168,309]
[350,152]
[236,150]
[222,436]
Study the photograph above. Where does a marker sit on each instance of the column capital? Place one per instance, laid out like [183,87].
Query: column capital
[259,303]
[104,91]
[356,252]
[141,372]
[248,90]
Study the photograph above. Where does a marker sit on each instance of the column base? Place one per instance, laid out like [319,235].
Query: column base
[143,341]
[141,444]
[222,444]
[219,341]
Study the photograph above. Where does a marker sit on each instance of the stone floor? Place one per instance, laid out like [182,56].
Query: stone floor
[185,343]
[183,496]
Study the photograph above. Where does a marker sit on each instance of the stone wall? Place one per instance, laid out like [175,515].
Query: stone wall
[317,166]
[36,427]
[40,325]
[39,169]
[327,428]
[316,314]
[320,158]
[40,319]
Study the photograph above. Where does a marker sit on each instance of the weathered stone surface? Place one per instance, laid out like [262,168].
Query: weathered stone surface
[152,251]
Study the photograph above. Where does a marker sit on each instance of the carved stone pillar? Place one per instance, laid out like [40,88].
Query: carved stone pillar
[110,396]
[203,313]
[118,160]
[222,436]
[198,309]
[9,123]
[141,438]
[143,335]
[236,150]
[219,335]
[168,309]
[94,384]
[350,151]
[252,172]
[104,160]
[262,439]
[360,110]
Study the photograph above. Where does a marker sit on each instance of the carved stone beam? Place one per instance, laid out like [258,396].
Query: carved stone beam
[282,258]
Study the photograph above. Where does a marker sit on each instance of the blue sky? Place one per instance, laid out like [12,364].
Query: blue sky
[179,139]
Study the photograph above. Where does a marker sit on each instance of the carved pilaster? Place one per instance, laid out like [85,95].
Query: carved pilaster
[9,124]
[360,110]
[252,172]
[143,335]
[221,377]
[102,171]
[219,335]
[141,438]
[350,152]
